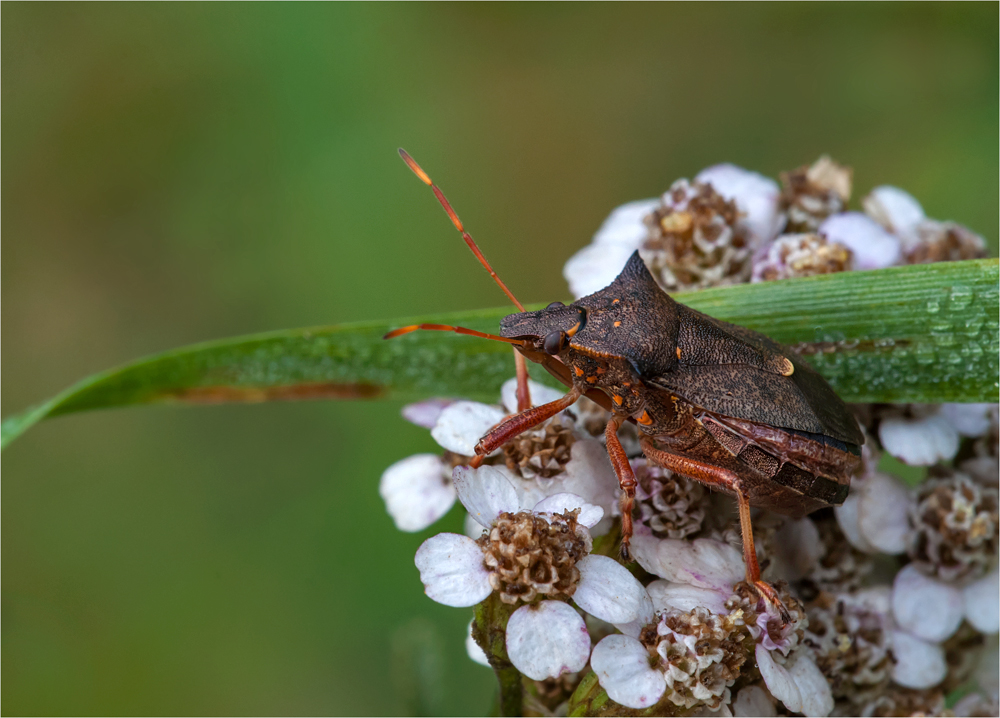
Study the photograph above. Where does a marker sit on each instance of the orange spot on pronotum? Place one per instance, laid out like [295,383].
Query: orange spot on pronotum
[644,418]
[678,352]
[617,399]
[618,324]
[578,371]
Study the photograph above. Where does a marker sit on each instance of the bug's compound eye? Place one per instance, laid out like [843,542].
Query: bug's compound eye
[555,305]
[553,342]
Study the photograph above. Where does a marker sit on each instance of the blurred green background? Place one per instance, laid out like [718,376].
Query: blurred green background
[176,173]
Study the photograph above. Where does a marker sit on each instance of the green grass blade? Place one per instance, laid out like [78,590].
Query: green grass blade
[924,333]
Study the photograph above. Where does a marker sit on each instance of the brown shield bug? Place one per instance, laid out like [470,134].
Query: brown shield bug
[713,401]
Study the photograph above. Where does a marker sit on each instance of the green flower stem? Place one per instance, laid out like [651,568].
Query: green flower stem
[489,629]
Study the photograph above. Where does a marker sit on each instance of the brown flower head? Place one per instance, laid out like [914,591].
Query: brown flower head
[811,194]
[696,239]
[802,255]
[672,506]
[956,524]
[529,556]
[700,654]
[543,452]
[943,242]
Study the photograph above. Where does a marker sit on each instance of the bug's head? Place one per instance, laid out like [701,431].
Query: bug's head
[549,329]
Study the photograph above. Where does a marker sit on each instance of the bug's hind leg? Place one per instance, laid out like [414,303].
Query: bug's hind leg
[730,482]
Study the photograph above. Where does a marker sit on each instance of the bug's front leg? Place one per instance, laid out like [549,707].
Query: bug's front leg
[626,480]
[723,478]
[519,423]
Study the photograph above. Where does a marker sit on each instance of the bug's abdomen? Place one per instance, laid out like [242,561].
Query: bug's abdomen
[806,472]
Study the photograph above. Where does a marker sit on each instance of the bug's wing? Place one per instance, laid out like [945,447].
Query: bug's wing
[731,370]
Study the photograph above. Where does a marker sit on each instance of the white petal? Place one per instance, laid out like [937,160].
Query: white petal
[684,597]
[547,639]
[894,209]
[485,492]
[968,419]
[451,569]
[622,667]
[919,442]
[561,503]
[847,518]
[817,699]
[755,195]
[927,608]
[472,528]
[873,247]
[609,591]
[919,664]
[461,425]
[624,226]
[778,680]
[982,603]
[472,648]
[416,491]
[594,267]
[797,549]
[540,394]
[425,413]
[589,474]
[753,701]
[883,513]
[703,562]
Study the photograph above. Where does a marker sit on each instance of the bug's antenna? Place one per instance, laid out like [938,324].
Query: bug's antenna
[411,163]
[448,328]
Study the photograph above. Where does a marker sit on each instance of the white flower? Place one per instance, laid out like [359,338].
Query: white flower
[932,610]
[796,682]
[540,394]
[425,413]
[970,420]
[756,196]
[417,491]
[461,425]
[873,247]
[623,670]
[753,701]
[547,638]
[919,663]
[895,210]
[875,516]
[595,266]
[921,441]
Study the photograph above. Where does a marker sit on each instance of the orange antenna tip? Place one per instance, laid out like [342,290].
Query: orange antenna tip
[402,330]
[417,170]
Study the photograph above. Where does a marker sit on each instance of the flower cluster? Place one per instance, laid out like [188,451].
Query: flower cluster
[893,597]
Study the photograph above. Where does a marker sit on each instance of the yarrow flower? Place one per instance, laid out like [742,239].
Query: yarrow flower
[892,598]
[526,555]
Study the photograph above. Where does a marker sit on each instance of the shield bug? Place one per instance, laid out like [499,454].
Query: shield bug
[713,401]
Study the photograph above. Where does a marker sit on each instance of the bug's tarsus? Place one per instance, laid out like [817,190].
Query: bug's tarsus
[425,178]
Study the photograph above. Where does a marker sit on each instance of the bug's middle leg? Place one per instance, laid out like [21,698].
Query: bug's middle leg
[626,480]
[723,478]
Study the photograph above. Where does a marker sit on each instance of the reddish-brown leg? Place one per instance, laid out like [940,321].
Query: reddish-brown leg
[626,480]
[523,393]
[519,423]
[716,476]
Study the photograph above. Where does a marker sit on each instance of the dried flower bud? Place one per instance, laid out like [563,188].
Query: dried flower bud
[956,524]
[841,567]
[700,654]
[906,702]
[801,255]
[528,556]
[942,242]
[543,452]
[696,239]
[671,506]
[811,194]
[850,639]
